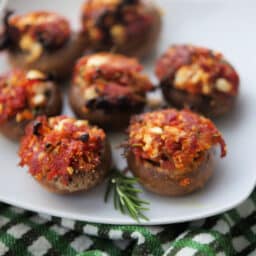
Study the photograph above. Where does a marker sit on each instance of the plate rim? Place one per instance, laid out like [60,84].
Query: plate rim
[130,221]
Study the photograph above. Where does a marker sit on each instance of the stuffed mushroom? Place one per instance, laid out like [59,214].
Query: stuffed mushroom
[65,155]
[171,151]
[23,96]
[107,89]
[197,78]
[129,27]
[41,40]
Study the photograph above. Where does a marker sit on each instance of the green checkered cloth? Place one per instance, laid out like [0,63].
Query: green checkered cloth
[28,233]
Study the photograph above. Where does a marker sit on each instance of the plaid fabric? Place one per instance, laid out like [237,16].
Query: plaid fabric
[27,233]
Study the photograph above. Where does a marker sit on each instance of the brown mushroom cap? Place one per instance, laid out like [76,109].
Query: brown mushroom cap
[82,181]
[115,120]
[64,154]
[107,89]
[138,43]
[214,106]
[158,180]
[197,78]
[171,151]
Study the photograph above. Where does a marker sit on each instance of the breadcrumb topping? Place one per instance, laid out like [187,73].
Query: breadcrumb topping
[111,78]
[114,21]
[35,31]
[172,139]
[22,94]
[60,147]
[197,70]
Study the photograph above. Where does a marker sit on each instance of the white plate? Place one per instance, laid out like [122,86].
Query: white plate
[224,25]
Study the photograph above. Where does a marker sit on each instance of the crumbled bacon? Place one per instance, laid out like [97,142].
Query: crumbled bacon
[56,150]
[112,77]
[173,139]
[197,70]
[17,96]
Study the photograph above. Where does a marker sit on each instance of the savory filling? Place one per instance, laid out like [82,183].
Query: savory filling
[36,31]
[22,95]
[115,21]
[108,80]
[174,140]
[60,147]
[197,71]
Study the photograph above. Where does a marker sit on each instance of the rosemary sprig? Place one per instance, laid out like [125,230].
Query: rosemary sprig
[126,195]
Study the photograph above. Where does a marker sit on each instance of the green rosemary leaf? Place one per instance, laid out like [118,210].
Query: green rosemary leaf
[131,189]
[137,200]
[130,181]
[126,196]
[142,216]
[122,209]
